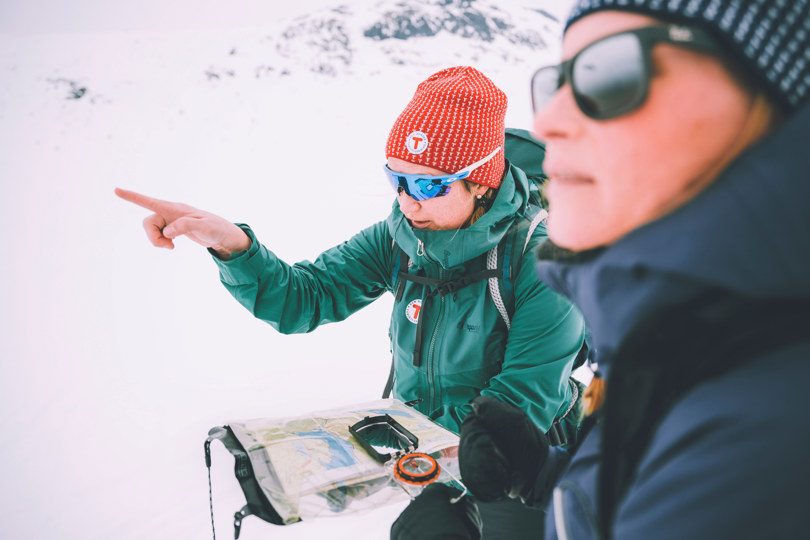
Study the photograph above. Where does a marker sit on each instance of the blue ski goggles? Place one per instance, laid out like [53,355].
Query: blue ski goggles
[421,187]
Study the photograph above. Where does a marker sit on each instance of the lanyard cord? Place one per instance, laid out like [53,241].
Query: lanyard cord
[211,503]
[210,487]
[213,433]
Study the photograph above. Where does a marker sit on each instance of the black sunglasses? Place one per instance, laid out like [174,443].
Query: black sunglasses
[611,76]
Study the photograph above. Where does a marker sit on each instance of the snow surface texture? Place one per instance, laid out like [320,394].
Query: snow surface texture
[116,357]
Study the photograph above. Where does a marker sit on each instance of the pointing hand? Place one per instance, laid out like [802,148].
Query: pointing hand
[171,220]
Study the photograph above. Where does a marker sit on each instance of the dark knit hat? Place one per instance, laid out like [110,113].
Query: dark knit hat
[769,38]
[456,117]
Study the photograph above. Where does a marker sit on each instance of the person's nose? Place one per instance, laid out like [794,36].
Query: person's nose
[407,204]
[559,118]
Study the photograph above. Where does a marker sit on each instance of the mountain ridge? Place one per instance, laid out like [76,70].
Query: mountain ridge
[367,37]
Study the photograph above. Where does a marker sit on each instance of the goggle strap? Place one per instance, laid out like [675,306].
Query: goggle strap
[470,168]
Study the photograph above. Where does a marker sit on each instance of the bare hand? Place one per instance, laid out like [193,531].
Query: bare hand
[171,220]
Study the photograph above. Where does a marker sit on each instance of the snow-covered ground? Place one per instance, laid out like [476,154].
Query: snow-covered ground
[116,357]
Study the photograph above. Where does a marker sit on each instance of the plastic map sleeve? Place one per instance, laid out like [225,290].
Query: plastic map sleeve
[311,466]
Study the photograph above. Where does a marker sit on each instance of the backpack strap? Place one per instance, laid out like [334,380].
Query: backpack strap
[401,262]
[540,217]
[494,287]
[389,384]
[502,290]
[557,433]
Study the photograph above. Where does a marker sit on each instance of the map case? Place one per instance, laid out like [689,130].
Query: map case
[310,466]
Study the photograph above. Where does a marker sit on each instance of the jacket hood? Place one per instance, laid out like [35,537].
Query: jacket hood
[747,233]
[452,248]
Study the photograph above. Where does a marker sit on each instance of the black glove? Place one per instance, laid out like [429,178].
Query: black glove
[431,515]
[501,451]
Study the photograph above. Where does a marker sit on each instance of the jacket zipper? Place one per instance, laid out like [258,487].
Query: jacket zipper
[430,364]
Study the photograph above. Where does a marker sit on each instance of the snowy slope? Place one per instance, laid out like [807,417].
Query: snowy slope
[117,357]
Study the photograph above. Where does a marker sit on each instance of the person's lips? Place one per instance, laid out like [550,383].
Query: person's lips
[569,177]
[562,179]
[419,224]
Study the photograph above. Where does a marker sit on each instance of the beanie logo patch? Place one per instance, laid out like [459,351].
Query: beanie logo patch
[417,142]
[412,310]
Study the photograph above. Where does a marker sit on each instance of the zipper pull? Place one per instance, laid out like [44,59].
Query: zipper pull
[420,248]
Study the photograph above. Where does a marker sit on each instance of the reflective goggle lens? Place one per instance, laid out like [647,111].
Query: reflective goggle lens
[422,187]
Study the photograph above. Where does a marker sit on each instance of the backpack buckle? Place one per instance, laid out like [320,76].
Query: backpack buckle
[448,287]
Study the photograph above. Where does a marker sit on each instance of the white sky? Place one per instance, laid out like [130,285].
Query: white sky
[41,16]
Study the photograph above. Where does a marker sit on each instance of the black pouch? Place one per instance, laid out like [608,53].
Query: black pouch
[257,503]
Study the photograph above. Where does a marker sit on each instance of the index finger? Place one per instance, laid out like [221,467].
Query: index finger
[155,205]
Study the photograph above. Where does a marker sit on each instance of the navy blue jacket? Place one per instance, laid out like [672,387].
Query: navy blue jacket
[700,323]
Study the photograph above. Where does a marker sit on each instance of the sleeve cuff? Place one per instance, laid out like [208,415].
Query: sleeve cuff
[243,266]
[252,249]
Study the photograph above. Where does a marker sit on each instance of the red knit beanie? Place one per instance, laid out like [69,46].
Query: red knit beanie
[456,117]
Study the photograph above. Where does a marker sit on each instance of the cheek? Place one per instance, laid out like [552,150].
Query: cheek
[693,122]
[452,210]
[625,173]
[591,214]
[581,211]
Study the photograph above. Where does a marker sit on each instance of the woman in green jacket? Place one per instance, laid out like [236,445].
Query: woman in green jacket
[457,198]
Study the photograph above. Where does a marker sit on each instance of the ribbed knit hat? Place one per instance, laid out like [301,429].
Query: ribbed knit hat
[769,38]
[456,117]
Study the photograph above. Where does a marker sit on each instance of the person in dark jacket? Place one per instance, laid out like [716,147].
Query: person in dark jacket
[677,141]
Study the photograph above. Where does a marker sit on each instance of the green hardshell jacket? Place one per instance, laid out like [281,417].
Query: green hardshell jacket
[467,349]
